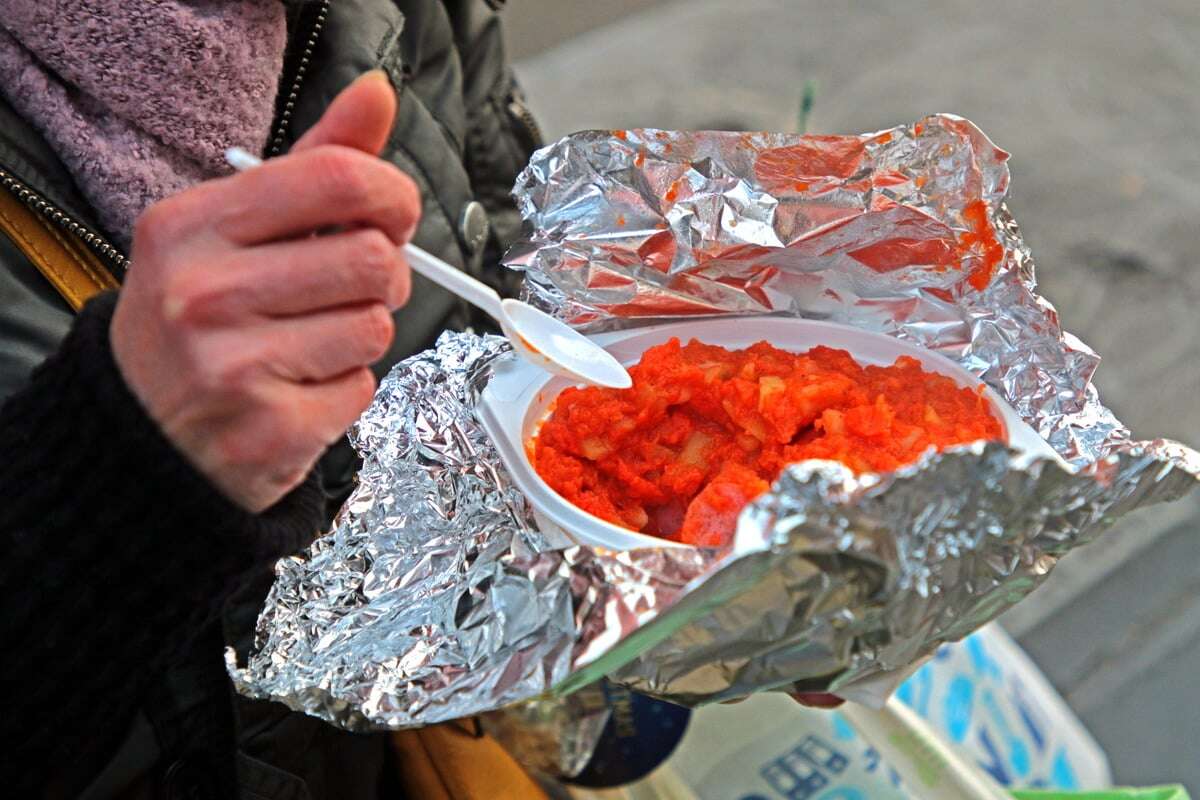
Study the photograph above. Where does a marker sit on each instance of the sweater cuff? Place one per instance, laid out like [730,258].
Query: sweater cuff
[91,442]
[162,476]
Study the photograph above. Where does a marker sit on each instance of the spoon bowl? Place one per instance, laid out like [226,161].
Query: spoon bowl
[537,337]
[559,349]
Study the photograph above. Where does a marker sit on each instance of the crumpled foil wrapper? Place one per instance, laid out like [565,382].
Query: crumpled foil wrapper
[903,232]
[435,597]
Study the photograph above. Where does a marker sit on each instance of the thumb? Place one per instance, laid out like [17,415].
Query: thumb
[360,116]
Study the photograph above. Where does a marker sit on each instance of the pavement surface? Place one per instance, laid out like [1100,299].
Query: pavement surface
[1098,101]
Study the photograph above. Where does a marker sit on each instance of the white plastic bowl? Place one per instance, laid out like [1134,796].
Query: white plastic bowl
[519,396]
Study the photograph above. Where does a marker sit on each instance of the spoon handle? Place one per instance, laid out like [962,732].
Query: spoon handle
[456,281]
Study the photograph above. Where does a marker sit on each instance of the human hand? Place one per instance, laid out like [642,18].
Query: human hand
[246,338]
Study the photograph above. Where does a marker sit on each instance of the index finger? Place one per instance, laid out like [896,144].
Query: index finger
[328,186]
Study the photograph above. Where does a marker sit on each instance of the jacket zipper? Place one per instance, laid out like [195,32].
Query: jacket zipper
[43,207]
[285,115]
[519,112]
[100,245]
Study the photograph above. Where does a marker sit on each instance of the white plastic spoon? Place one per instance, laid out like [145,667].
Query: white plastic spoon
[535,335]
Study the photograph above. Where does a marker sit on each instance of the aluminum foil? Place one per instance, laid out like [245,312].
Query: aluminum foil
[435,597]
[902,231]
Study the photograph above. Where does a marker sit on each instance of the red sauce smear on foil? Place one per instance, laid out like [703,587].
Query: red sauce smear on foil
[704,430]
[980,238]
[813,156]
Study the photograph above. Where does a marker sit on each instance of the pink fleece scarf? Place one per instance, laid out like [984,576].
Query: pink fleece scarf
[140,99]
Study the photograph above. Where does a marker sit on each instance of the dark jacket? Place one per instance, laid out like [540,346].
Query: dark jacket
[124,572]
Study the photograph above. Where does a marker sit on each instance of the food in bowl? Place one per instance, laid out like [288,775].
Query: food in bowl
[704,430]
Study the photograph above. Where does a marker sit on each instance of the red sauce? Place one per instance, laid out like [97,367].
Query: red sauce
[980,239]
[705,430]
[529,345]
[812,156]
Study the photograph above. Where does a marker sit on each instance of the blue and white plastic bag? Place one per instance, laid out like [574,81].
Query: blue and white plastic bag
[982,694]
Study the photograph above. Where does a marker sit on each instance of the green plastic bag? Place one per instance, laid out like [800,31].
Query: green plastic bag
[1153,793]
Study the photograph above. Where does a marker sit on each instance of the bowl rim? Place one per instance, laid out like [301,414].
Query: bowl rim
[519,388]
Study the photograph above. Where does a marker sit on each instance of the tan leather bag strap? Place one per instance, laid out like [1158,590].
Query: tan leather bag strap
[73,269]
[453,761]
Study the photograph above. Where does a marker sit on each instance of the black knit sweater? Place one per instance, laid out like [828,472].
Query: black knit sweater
[117,552]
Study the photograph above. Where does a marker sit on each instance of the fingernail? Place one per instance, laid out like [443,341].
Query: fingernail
[374,75]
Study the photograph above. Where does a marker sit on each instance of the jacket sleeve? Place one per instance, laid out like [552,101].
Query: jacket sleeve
[501,132]
[116,553]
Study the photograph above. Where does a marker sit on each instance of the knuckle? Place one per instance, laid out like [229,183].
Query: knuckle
[180,299]
[219,376]
[410,194]
[355,394]
[155,227]
[375,256]
[341,172]
[176,295]
[361,391]
[145,226]
[406,198]
[402,286]
[190,299]
[378,327]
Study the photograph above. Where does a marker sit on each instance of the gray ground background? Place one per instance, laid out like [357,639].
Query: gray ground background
[1099,102]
